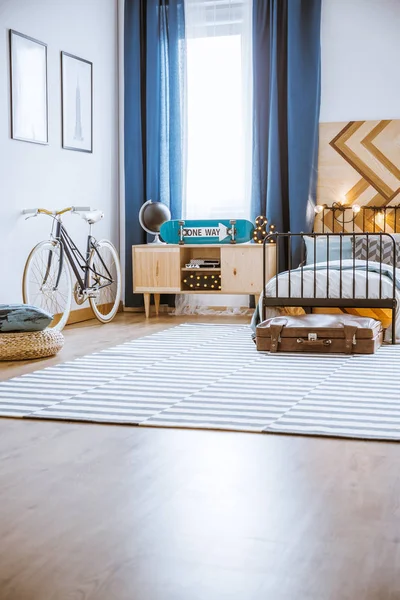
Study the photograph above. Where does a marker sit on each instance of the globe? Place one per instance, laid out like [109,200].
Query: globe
[151,216]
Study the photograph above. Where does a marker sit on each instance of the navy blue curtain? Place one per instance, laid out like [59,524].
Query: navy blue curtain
[154,72]
[286,71]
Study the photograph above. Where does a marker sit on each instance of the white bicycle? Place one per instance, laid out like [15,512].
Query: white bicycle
[47,280]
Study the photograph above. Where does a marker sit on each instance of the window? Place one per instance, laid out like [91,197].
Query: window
[218,108]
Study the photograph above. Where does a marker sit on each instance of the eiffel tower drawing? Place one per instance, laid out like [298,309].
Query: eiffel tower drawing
[78,133]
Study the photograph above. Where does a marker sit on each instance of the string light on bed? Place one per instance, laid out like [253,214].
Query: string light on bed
[379,218]
[260,230]
[341,207]
[371,219]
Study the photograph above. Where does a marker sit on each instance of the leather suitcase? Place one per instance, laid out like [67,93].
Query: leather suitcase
[320,333]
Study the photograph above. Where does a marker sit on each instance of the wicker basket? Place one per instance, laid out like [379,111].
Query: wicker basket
[29,345]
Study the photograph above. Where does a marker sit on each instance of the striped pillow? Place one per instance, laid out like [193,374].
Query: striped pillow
[372,249]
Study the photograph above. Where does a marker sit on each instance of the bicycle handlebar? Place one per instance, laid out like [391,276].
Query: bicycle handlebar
[37,211]
[28,211]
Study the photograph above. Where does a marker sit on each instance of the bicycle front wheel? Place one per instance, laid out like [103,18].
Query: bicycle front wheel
[47,283]
[105,281]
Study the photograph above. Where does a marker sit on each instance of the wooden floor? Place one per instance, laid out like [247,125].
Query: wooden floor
[99,512]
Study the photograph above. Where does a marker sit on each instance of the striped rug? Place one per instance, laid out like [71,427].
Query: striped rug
[212,377]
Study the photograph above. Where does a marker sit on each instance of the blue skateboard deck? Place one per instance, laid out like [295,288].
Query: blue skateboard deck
[207,231]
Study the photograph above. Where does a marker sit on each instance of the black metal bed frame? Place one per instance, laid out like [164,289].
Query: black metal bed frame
[337,218]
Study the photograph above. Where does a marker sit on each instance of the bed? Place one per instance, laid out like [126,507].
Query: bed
[338,270]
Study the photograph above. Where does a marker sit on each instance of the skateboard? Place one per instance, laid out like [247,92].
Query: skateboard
[207,231]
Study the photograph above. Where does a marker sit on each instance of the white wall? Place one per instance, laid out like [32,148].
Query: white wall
[32,175]
[360,44]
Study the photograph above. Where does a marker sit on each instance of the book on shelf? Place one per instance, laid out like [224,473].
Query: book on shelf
[203,263]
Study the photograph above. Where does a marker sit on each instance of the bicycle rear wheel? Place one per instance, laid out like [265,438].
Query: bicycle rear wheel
[42,270]
[105,280]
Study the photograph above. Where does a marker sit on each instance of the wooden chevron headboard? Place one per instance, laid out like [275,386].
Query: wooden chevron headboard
[359,163]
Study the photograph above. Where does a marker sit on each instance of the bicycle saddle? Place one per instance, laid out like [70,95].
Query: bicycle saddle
[93,216]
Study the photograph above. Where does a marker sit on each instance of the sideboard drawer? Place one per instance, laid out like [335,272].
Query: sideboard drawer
[156,269]
[241,268]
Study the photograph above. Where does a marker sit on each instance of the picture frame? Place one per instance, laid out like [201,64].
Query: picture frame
[28,89]
[76,103]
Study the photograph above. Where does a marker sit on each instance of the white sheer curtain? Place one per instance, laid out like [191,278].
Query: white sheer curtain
[219,120]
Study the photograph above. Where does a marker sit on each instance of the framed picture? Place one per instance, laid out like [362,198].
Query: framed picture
[77,103]
[29,103]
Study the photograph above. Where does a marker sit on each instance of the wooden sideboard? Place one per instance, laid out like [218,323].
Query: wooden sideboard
[160,269]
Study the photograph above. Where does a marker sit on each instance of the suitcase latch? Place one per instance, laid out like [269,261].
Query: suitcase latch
[312,337]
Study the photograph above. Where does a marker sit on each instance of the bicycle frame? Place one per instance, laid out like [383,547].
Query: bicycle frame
[70,251]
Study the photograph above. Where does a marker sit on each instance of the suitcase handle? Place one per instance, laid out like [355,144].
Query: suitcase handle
[314,343]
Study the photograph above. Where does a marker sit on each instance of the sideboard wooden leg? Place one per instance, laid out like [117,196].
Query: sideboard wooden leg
[147,305]
[157,303]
